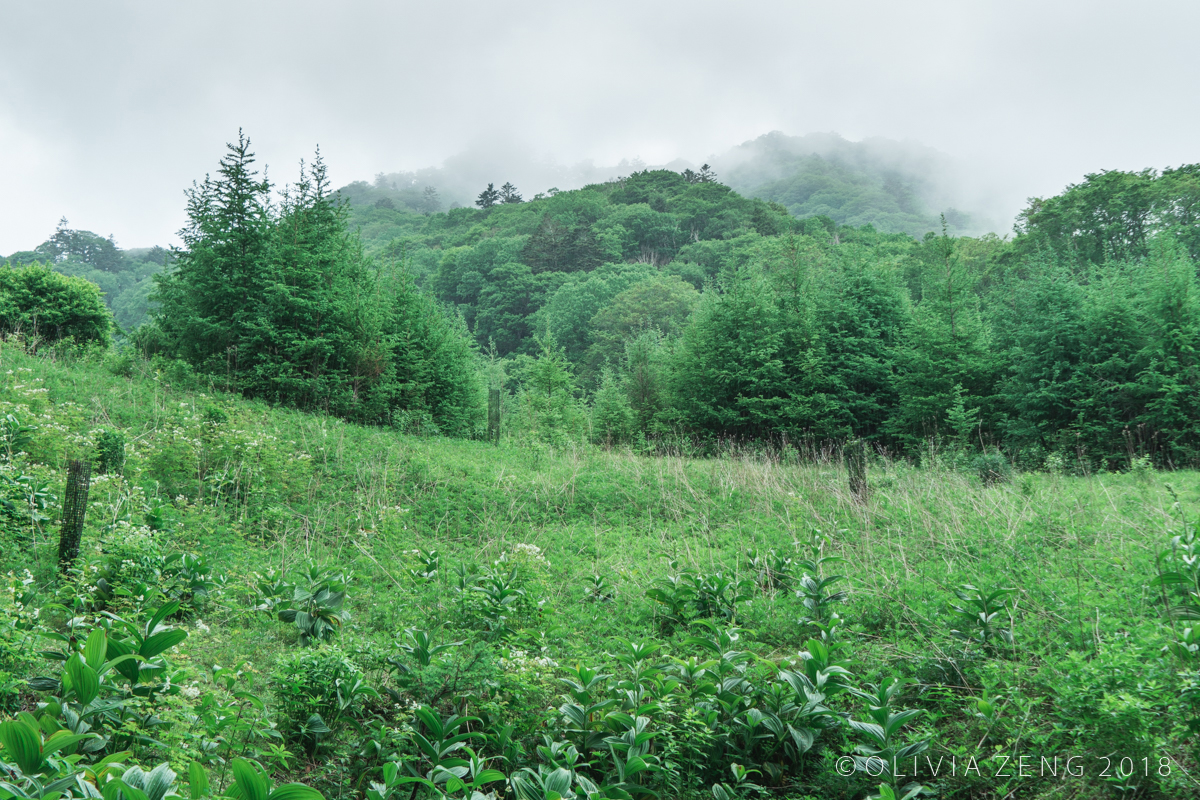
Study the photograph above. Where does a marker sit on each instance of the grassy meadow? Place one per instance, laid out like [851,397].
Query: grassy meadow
[535,563]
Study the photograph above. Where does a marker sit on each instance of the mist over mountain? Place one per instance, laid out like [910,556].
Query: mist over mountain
[897,187]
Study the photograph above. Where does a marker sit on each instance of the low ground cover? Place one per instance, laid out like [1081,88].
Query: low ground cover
[374,614]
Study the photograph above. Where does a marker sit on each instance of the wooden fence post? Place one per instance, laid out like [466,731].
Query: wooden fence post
[494,415]
[856,466]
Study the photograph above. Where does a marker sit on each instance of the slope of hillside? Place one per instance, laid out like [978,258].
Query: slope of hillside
[679,581]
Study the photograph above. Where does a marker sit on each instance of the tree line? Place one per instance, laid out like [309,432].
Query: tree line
[662,307]
[677,308]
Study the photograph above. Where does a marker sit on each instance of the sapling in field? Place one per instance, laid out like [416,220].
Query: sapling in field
[882,730]
[421,648]
[674,595]
[1179,567]
[428,564]
[313,604]
[599,591]
[501,591]
[980,617]
[773,570]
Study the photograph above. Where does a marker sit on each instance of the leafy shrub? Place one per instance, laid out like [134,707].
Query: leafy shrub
[318,690]
[130,566]
[14,436]
[690,594]
[112,679]
[992,468]
[44,305]
[190,580]
[982,614]
[41,762]
[313,604]
[17,622]
[429,674]
[1122,704]
[1179,567]
[773,571]
[110,453]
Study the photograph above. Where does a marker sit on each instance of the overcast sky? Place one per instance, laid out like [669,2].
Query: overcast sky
[108,110]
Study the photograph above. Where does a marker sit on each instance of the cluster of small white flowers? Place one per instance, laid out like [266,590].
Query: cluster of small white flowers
[528,553]
[25,580]
[191,692]
[520,661]
[200,626]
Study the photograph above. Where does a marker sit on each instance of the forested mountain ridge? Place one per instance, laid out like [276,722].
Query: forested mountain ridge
[664,307]
[733,317]
[897,187]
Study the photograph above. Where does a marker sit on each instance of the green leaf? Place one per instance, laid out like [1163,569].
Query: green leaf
[316,725]
[119,658]
[252,699]
[23,745]
[115,788]
[488,775]
[159,781]
[252,783]
[84,679]
[296,791]
[64,738]
[164,611]
[558,781]
[96,648]
[161,641]
[197,781]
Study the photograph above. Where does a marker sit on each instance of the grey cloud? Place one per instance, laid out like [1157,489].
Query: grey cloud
[108,110]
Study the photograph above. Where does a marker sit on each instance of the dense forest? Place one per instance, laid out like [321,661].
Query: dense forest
[666,310]
[682,308]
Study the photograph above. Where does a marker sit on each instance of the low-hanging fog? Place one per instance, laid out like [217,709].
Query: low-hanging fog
[109,110]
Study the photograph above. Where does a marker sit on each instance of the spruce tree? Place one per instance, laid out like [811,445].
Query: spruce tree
[509,194]
[303,340]
[611,415]
[211,298]
[488,197]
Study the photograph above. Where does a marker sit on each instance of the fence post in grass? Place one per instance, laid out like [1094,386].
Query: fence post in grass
[75,500]
[494,415]
[855,453]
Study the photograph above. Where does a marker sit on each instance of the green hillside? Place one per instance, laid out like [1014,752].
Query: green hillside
[675,593]
[667,311]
